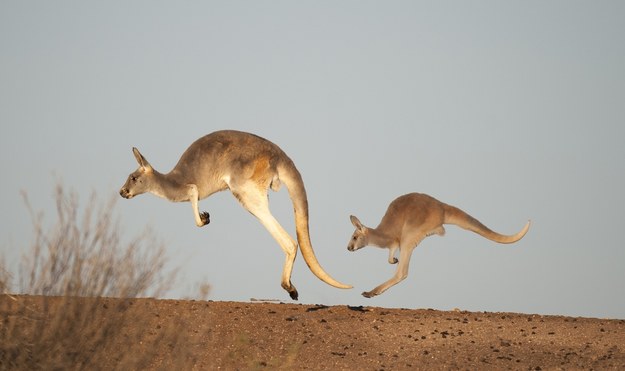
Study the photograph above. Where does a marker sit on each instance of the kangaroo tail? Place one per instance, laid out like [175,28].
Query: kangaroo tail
[291,177]
[454,215]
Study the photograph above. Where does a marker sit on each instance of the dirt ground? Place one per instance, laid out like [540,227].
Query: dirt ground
[260,335]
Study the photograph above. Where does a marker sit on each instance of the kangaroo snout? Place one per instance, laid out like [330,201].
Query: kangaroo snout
[352,248]
[125,193]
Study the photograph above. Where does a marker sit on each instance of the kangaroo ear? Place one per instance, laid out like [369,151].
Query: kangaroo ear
[141,160]
[356,222]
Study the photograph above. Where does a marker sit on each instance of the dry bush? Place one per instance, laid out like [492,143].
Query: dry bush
[73,268]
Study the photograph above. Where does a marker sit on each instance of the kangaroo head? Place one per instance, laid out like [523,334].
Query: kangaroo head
[140,180]
[360,238]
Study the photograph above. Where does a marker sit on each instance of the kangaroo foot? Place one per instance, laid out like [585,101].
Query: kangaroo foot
[291,290]
[294,295]
[369,294]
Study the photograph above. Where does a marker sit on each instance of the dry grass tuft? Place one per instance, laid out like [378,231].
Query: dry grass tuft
[82,255]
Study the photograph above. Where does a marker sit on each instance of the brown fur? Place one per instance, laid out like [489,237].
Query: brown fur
[407,221]
[248,166]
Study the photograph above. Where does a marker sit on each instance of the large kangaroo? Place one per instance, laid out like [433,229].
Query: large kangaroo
[247,165]
[408,220]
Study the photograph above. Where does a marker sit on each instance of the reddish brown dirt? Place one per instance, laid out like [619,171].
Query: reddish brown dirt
[242,336]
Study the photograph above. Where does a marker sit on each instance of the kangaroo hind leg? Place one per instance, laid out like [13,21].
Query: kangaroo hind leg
[255,200]
[405,252]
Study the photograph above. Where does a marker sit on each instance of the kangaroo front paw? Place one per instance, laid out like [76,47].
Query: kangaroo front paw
[393,261]
[205,218]
[369,294]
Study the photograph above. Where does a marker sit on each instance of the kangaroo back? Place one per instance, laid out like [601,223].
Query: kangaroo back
[454,215]
[292,178]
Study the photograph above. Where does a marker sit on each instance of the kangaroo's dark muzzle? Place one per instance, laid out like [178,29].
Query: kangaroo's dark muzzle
[125,193]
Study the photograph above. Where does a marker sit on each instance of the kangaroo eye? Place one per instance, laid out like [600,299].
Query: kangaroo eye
[133,178]
[355,238]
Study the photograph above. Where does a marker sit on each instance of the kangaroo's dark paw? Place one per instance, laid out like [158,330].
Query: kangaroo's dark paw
[368,294]
[293,294]
[290,289]
[205,217]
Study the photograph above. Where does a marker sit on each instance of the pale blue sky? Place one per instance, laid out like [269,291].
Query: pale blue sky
[507,109]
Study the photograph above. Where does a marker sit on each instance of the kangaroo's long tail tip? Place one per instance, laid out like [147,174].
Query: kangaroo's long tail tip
[316,269]
[522,233]
[338,285]
[527,225]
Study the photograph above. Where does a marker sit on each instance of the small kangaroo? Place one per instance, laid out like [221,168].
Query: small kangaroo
[248,166]
[408,220]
